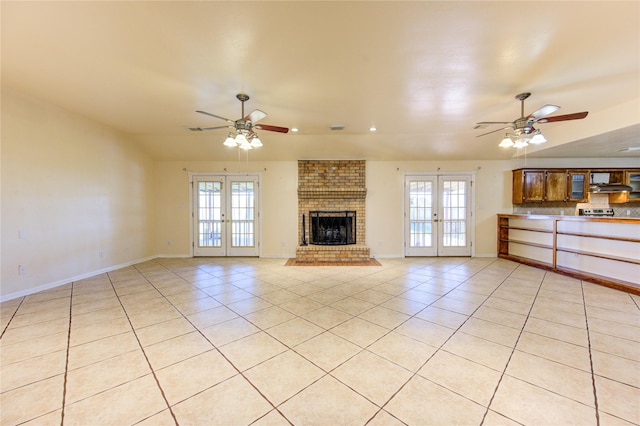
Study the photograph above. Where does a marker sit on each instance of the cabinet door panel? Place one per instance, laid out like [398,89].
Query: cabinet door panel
[578,186]
[633,180]
[533,185]
[555,186]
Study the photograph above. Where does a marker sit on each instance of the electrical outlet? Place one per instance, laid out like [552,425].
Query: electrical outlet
[22,270]
[168,242]
[101,254]
[628,212]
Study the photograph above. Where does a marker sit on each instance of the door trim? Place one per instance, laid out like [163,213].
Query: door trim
[437,174]
[225,174]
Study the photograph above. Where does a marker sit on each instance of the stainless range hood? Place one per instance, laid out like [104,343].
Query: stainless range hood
[609,188]
[601,184]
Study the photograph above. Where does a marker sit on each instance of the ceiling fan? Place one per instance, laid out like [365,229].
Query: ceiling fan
[521,132]
[245,136]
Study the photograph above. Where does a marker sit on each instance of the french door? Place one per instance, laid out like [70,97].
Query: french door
[225,215]
[438,215]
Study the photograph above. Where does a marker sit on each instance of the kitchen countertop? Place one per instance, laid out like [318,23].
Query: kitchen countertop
[569,217]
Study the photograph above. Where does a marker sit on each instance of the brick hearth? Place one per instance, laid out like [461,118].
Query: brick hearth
[346,253]
[332,185]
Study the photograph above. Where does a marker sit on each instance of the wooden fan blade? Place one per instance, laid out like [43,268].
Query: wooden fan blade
[574,116]
[483,124]
[200,129]
[216,116]
[494,131]
[256,116]
[545,110]
[272,128]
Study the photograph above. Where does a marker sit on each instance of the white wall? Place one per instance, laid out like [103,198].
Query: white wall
[77,197]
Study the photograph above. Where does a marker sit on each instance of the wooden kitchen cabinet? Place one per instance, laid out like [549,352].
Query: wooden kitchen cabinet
[633,180]
[536,185]
[570,185]
[578,190]
[555,185]
[528,186]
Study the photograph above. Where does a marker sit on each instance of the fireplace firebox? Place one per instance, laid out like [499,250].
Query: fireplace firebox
[332,227]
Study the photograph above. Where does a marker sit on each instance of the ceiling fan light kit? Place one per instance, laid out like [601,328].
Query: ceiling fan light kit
[520,141]
[522,133]
[507,142]
[244,135]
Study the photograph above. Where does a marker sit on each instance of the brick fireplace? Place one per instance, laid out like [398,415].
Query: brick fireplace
[332,186]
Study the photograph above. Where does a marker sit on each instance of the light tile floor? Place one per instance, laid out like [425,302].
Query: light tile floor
[418,341]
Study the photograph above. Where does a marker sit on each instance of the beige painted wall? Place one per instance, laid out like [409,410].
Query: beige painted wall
[279,203]
[384,200]
[77,197]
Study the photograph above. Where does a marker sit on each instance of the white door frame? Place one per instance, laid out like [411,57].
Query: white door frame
[471,175]
[227,176]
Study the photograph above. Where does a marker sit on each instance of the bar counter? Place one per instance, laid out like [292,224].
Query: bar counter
[602,250]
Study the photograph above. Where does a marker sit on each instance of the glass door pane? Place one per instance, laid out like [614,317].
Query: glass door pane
[454,195]
[209,209]
[209,224]
[437,215]
[453,214]
[225,215]
[242,214]
[243,205]
[421,232]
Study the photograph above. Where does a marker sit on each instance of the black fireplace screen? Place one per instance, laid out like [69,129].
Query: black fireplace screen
[332,227]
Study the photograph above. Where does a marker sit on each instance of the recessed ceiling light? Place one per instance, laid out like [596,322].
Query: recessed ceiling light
[372,129]
[294,129]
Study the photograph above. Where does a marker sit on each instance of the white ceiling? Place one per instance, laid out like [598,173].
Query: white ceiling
[422,72]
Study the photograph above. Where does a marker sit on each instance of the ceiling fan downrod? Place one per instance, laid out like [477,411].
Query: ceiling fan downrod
[521,97]
[242,98]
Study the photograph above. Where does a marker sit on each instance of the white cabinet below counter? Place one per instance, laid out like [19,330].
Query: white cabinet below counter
[601,250]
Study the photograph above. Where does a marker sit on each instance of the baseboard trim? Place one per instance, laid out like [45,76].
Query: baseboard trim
[59,283]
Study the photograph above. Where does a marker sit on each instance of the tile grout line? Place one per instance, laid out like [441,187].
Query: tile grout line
[292,349]
[414,374]
[539,297]
[381,407]
[593,376]
[66,362]
[15,312]
[515,345]
[361,348]
[214,347]
[153,373]
[445,342]
[635,302]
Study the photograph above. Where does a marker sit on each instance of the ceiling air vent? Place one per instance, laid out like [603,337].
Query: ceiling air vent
[337,127]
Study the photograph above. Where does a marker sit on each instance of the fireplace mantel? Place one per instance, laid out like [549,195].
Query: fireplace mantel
[335,193]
